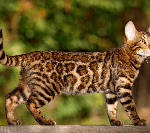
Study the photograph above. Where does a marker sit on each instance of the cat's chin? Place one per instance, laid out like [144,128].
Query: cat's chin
[144,54]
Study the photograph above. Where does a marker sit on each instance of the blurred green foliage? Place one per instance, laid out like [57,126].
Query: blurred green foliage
[65,25]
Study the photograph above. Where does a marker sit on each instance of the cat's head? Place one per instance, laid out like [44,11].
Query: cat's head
[137,42]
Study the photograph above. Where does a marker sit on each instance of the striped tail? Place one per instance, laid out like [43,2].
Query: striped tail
[8,61]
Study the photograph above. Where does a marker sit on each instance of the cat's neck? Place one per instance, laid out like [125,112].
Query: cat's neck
[131,55]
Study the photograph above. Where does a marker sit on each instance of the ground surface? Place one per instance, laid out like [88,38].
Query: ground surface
[75,129]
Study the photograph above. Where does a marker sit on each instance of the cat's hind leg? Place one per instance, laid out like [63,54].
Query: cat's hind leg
[34,104]
[12,100]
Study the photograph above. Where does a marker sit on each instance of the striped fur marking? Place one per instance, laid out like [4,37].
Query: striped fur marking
[47,74]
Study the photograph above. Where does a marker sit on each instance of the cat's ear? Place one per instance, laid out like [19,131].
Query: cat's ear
[130,31]
[148,29]
[125,39]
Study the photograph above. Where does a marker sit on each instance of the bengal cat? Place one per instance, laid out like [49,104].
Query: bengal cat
[47,74]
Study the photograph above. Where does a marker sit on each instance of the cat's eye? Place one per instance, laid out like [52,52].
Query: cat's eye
[143,41]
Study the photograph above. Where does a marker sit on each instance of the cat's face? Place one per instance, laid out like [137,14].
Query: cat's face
[144,42]
[138,42]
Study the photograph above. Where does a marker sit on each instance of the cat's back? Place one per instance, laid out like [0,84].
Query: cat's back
[72,72]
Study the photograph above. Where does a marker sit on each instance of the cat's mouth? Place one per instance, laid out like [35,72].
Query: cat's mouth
[144,53]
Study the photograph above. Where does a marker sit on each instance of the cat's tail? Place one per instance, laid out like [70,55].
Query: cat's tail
[8,61]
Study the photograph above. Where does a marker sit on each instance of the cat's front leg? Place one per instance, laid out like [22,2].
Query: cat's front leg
[111,102]
[125,96]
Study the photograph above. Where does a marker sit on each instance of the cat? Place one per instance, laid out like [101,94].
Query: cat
[47,74]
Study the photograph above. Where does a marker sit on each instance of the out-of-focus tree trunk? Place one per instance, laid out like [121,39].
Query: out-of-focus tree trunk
[141,88]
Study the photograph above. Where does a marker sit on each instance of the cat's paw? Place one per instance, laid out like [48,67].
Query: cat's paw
[51,122]
[116,122]
[14,122]
[141,123]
